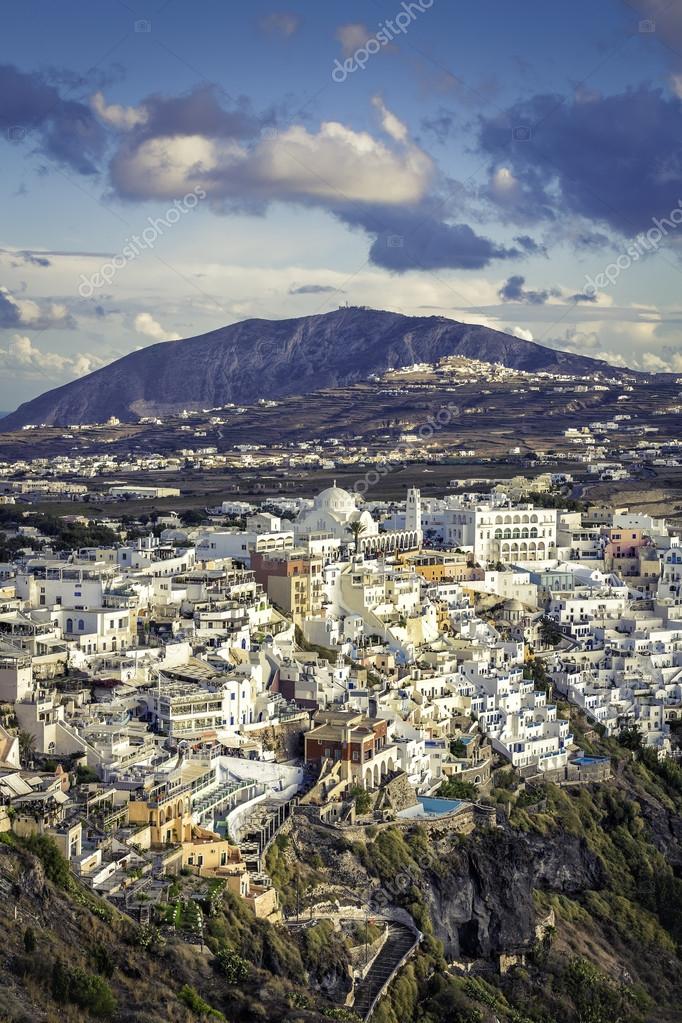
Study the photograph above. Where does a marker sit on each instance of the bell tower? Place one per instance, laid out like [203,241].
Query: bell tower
[413,513]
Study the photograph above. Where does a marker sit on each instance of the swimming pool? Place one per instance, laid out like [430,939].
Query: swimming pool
[589,760]
[431,806]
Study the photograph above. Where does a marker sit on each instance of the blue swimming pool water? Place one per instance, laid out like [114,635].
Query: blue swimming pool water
[431,806]
[590,760]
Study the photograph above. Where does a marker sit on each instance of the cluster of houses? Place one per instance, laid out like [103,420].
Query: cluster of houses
[166,703]
[113,456]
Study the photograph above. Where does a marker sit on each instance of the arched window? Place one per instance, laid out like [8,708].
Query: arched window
[69,624]
[81,625]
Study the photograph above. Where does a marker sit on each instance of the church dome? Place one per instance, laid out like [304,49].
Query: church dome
[336,500]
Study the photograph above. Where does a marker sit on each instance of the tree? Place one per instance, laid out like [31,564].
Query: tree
[27,746]
[356,529]
[232,965]
[458,749]
[363,800]
[631,738]
[550,633]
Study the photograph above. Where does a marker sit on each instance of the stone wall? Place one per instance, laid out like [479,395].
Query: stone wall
[398,794]
[462,822]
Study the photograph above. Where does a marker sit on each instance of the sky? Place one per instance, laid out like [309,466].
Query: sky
[173,167]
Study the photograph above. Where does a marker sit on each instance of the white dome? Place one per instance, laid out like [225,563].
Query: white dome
[336,500]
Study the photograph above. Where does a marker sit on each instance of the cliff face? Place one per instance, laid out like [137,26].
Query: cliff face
[482,906]
[269,359]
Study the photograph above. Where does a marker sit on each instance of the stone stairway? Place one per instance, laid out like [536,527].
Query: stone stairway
[401,941]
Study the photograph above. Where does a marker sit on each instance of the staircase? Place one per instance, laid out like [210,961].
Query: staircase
[399,944]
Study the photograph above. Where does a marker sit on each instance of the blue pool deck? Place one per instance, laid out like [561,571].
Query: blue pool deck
[431,806]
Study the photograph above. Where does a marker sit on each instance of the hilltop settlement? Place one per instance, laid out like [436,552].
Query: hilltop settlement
[175,698]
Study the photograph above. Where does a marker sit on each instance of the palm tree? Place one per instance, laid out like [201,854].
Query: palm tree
[27,745]
[356,529]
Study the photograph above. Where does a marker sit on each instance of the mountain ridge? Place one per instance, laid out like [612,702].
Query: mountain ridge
[285,357]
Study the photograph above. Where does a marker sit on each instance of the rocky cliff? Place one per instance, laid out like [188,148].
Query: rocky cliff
[482,904]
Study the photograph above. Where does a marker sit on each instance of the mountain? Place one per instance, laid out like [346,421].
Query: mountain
[273,358]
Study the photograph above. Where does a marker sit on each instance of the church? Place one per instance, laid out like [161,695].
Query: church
[335,510]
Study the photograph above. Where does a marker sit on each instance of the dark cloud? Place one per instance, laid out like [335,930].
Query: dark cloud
[34,110]
[33,260]
[28,315]
[315,289]
[24,257]
[441,125]
[513,290]
[582,296]
[10,315]
[614,159]
[418,239]
[530,246]
[591,240]
[200,112]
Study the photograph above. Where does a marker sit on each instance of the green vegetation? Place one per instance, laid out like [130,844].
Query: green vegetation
[544,500]
[458,749]
[453,788]
[234,967]
[85,775]
[27,745]
[550,633]
[87,990]
[196,1004]
[364,933]
[47,851]
[363,800]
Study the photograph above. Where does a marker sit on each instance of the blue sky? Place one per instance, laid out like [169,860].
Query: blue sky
[495,163]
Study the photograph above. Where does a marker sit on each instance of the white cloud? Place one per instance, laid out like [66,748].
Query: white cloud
[352,37]
[282,23]
[391,124]
[503,182]
[657,364]
[614,358]
[330,166]
[123,118]
[147,325]
[24,312]
[520,332]
[25,359]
